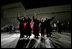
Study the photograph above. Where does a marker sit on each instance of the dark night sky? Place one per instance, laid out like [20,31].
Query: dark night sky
[28,4]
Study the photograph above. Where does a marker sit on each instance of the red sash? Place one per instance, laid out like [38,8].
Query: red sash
[24,25]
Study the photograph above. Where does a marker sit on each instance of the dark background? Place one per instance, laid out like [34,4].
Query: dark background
[29,4]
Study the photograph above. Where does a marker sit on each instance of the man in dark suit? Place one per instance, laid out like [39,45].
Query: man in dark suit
[59,26]
[48,26]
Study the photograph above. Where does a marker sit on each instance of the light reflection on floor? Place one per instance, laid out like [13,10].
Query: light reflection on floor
[10,40]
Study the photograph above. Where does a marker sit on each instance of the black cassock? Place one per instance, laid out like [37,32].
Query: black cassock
[36,27]
[22,27]
[28,27]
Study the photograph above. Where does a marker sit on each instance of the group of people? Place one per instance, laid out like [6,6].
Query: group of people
[25,26]
[45,25]
[11,28]
[62,26]
[8,28]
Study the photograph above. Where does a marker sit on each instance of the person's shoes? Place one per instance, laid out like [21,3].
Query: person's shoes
[37,37]
[21,36]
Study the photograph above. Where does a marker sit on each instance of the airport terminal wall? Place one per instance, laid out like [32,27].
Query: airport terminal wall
[9,13]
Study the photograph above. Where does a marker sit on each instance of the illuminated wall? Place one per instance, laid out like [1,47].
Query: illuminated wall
[62,12]
[9,13]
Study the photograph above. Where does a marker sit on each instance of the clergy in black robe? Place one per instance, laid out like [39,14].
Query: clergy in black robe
[36,27]
[28,27]
[22,27]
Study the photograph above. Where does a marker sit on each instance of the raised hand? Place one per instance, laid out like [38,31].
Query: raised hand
[18,14]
